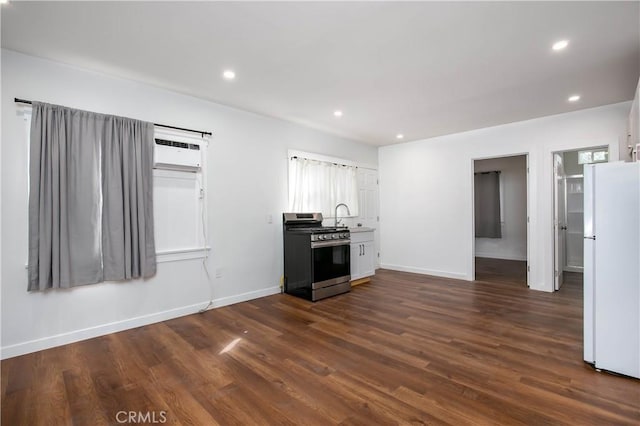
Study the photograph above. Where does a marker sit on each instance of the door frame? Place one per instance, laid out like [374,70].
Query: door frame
[611,150]
[473,210]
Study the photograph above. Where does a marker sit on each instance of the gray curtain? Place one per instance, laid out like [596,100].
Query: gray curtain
[487,205]
[90,205]
[128,245]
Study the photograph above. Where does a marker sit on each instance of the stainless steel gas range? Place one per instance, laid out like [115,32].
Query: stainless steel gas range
[316,258]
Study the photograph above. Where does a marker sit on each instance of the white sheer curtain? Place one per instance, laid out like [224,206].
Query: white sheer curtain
[318,186]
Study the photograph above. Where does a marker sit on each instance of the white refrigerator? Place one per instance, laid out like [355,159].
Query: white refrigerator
[612,267]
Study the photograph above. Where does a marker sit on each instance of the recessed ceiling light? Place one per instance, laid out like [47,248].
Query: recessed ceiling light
[337,113]
[399,136]
[574,98]
[559,45]
[4,1]
[229,75]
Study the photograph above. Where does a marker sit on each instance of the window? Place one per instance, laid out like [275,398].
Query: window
[319,186]
[591,156]
[90,205]
[179,200]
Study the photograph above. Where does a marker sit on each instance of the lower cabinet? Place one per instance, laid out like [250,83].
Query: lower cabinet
[362,255]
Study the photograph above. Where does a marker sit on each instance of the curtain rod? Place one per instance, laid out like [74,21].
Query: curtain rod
[203,133]
[486,173]
[322,161]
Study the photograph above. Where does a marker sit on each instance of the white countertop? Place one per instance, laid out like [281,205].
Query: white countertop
[361,229]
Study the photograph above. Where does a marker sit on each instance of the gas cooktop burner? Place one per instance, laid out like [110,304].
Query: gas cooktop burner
[314,229]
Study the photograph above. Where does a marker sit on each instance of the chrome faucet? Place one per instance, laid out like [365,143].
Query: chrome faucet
[336,212]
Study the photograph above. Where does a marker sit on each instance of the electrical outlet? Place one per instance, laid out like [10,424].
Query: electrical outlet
[218,272]
[269,218]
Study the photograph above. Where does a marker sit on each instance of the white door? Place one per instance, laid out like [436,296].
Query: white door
[589,264]
[368,200]
[528,228]
[559,225]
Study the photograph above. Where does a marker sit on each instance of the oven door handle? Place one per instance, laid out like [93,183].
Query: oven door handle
[320,244]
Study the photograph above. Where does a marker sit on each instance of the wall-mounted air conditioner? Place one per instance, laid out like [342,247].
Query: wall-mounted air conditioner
[174,155]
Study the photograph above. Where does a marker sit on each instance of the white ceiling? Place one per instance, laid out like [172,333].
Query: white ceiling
[421,69]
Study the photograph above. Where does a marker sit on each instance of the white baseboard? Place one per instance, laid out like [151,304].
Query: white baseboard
[113,327]
[541,287]
[243,297]
[502,256]
[444,274]
[455,275]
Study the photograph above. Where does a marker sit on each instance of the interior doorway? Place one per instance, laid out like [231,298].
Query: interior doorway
[568,212]
[501,225]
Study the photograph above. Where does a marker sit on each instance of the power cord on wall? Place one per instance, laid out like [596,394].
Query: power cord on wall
[205,260]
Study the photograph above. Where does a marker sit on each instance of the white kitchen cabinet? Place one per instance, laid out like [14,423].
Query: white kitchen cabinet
[363,251]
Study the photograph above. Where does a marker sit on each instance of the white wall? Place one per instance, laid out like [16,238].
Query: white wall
[247,183]
[426,205]
[513,244]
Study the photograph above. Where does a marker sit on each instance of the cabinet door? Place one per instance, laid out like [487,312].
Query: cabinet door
[356,251]
[367,265]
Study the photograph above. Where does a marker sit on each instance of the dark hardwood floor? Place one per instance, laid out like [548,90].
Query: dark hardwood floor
[573,279]
[501,270]
[403,349]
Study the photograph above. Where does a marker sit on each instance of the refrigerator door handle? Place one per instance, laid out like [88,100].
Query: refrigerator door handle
[590,238]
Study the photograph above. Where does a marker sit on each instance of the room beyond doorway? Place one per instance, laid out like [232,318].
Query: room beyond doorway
[501,270]
[568,211]
[500,222]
